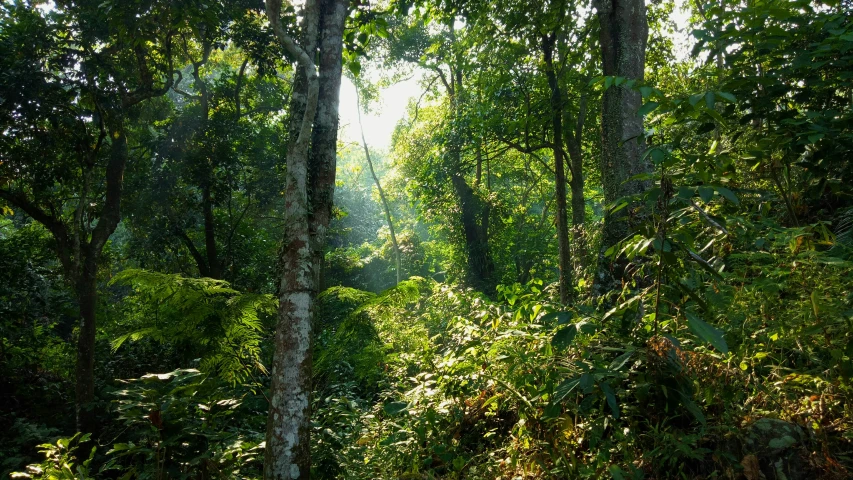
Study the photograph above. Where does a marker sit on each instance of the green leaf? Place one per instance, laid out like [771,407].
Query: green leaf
[560,317]
[685,192]
[647,108]
[694,99]
[354,67]
[691,407]
[706,193]
[564,337]
[621,360]
[616,472]
[706,127]
[610,395]
[394,408]
[707,332]
[709,100]
[728,195]
[715,115]
[565,388]
[727,96]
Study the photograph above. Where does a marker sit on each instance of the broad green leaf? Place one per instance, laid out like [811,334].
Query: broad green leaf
[727,96]
[692,407]
[709,100]
[563,338]
[616,472]
[706,193]
[728,195]
[707,332]
[621,360]
[354,67]
[564,389]
[560,317]
[610,395]
[394,408]
[647,108]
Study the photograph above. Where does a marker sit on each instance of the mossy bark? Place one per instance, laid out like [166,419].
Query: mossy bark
[623,36]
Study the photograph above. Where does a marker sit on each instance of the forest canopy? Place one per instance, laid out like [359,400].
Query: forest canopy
[607,239]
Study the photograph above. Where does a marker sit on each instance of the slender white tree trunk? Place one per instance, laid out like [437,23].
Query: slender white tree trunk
[310,161]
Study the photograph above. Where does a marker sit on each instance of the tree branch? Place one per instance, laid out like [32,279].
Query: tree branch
[304,59]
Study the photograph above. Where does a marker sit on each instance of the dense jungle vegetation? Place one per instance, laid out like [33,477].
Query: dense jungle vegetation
[609,239]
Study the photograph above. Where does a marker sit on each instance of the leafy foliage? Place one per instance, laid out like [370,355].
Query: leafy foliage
[204,316]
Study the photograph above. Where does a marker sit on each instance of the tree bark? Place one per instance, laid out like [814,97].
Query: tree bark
[475,212]
[287,454]
[86,289]
[310,160]
[623,36]
[574,142]
[324,142]
[565,256]
[475,226]
[213,270]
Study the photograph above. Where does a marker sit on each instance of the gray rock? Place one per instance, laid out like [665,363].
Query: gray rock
[777,444]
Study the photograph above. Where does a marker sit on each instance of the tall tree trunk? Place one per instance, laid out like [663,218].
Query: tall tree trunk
[310,161]
[623,34]
[574,141]
[381,192]
[287,454]
[87,277]
[86,287]
[565,257]
[324,143]
[475,212]
[212,264]
[475,225]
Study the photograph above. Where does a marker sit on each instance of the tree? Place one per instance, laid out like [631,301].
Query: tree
[310,165]
[433,41]
[555,116]
[384,200]
[73,79]
[623,30]
[215,170]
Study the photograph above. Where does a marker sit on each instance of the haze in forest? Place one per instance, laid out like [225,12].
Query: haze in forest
[426,239]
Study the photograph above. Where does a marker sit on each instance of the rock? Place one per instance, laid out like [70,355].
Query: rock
[771,437]
[776,445]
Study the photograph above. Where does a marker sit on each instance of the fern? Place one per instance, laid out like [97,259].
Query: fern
[225,325]
[349,346]
[844,228]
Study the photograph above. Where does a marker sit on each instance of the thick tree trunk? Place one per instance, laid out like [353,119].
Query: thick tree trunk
[87,297]
[565,256]
[475,212]
[87,277]
[574,141]
[324,142]
[623,35]
[475,225]
[287,454]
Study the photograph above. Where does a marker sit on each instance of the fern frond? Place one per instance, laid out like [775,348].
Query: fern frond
[223,324]
[844,228]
